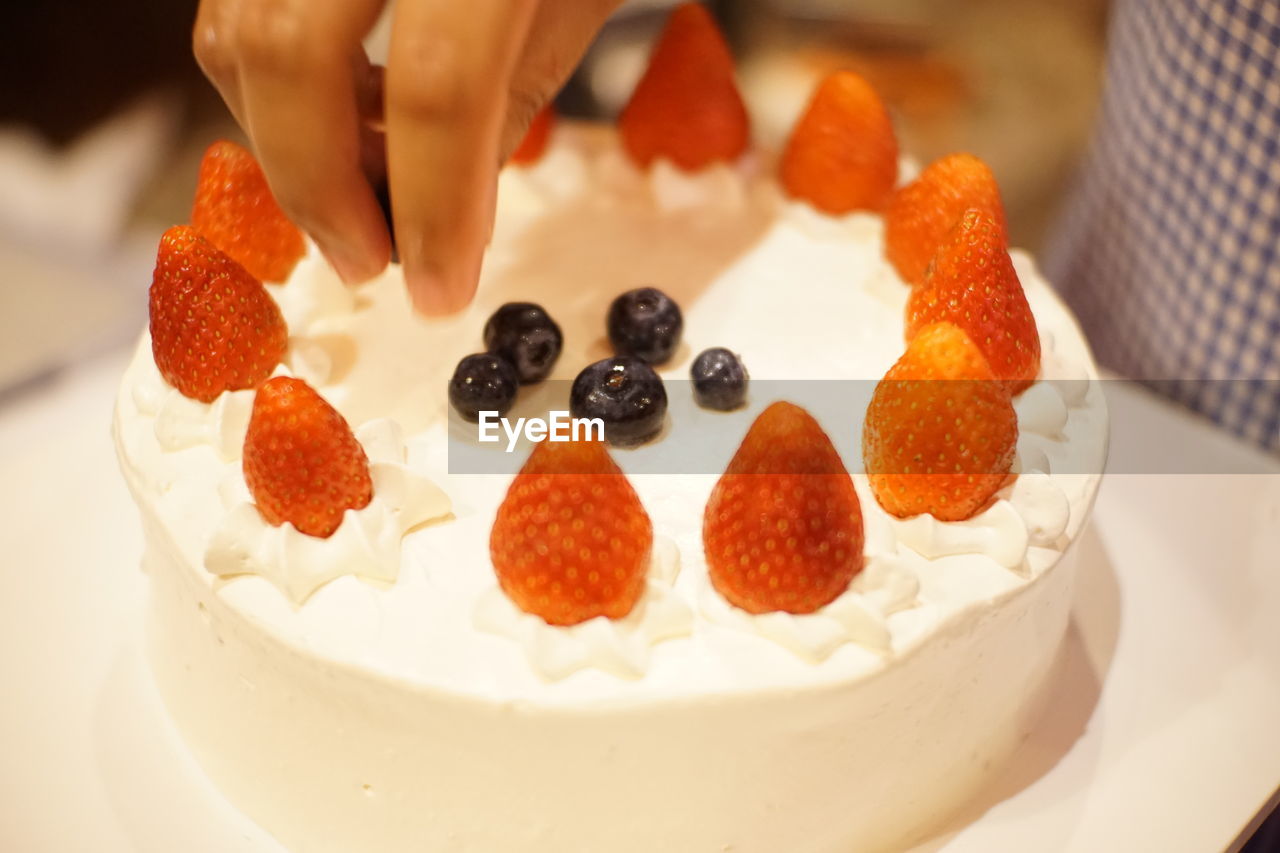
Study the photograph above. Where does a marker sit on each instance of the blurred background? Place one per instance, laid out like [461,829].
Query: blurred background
[104,116]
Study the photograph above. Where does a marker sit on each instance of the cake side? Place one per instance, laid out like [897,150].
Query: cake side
[330,759]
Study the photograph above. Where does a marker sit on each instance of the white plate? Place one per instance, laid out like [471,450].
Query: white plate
[1162,734]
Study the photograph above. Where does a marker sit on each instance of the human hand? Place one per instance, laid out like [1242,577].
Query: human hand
[462,82]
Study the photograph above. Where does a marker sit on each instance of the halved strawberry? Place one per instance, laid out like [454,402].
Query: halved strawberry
[571,540]
[687,107]
[301,462]
[972,283]
[922,213]
[783,527]
[214,327]
[534,144]
[235,211]
[842,155]
[940,432]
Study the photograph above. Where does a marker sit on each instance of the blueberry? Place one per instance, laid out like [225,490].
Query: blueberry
[645,323]
[719,379]
[483,382]
[625,393]
[526,336]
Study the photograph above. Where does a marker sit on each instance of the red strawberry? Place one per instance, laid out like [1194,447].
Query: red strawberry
[571,540]
[535,140]
[687,107]
[972,283]
[842,155]
[214,327]
[931,443]
[783,527]
[921,214]
[301,462]
[235,211]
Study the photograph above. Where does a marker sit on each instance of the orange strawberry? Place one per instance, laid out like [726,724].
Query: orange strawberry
[535,140]
[214,327]
[571,540]
[921,214]
[301,461]
[783,527]
[235,211]
[940,433]
[687,107]
[972,283]
[842,155]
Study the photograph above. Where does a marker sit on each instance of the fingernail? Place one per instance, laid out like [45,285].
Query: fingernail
[429,292]
[435,294]
[351,267]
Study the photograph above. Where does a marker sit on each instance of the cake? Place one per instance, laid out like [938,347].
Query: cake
[376,689]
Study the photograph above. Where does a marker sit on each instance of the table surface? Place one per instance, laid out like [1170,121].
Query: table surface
[1161,732]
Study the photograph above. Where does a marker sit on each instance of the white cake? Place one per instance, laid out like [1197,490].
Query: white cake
[378,692]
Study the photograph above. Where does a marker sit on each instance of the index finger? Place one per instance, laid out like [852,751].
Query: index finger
[448,72]
[298,61]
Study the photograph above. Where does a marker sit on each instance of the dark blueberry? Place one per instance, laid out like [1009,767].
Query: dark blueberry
[645,323]
[525,335]
[719,379]
[483,382]
[625,393]
[383,195]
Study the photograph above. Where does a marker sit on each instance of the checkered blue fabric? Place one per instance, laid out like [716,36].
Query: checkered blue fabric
[1169,249]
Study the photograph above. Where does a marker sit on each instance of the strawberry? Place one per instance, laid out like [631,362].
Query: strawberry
[842,155]
[571,540]
[972,283]
[783,527]
[235,211]
[301,461]
[535,140]
[921,214]
[214,327]
[687,107]
[931,443]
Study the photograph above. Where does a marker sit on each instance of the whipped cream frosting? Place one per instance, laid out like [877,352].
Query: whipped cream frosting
[181,422]
[860,615]
[366,543]
[619,646]
[572,231]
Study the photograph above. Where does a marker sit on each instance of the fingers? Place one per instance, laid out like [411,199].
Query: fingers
[212,45]
[447,79]
[559,35]
[465,81]
[292,73]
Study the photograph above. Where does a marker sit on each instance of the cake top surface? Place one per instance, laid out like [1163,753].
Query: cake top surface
[802,296]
